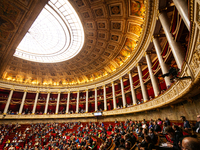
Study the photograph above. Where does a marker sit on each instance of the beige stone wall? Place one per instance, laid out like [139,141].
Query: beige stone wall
[190,109]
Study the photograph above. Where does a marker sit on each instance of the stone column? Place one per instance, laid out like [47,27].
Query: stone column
[104,97]
[182,8]
[67,107]
[8,102]
[22,103]
[86,103]
[143,88]
[35,103]
[58,101]
[95,100]
[114,98]
[161,61]
[153,78]
[122,90]
[176,48]
[77,102]
[134,98]
[47,103]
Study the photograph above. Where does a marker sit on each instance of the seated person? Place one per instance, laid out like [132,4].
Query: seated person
[164,127]
[186,124]
[174,136]
[146,144]
[140,134]
[196,128]
[152,136]
[189,143]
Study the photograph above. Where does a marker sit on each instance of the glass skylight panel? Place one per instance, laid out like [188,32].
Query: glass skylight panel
[56,35]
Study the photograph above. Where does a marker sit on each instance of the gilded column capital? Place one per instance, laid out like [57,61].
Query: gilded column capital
[120,78]
[59,92]
[68,92]
[138,64]
[147,53]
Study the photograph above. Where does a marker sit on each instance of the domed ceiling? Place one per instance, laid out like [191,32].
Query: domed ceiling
[112,30]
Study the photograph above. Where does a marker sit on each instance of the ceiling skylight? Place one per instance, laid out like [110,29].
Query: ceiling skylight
[56,35]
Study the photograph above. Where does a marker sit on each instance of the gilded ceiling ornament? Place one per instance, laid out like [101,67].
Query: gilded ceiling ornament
[116,25]
[79,3]
[115,10]
[99,12]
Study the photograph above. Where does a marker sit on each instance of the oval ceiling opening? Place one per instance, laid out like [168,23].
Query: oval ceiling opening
[56,35]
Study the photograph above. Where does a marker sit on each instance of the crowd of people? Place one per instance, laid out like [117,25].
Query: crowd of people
[46,136]
[118,135]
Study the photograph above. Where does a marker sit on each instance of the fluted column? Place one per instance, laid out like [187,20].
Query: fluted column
[95,100]
[144,91]
[77,102]
[104,97]
[122,90]
[86,103]
[67,107]
[134,98]
[58,101]
[47,103]
[182,8]
[176,48]
[22,103]
[35,103]
[153,78]
[114,98]
[8,102]
[161,61]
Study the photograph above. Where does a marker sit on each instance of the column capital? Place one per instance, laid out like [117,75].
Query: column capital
[59,92]
[68,92]
[138,64]
[129,72]
[147,53]
[26,90]
[112,82]
[48,92]
[120,78]
[158,14]
[12,89]
[37,91]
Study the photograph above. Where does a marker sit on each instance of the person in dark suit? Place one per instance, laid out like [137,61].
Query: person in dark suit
[175,137]
[186,124]
[196,128]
